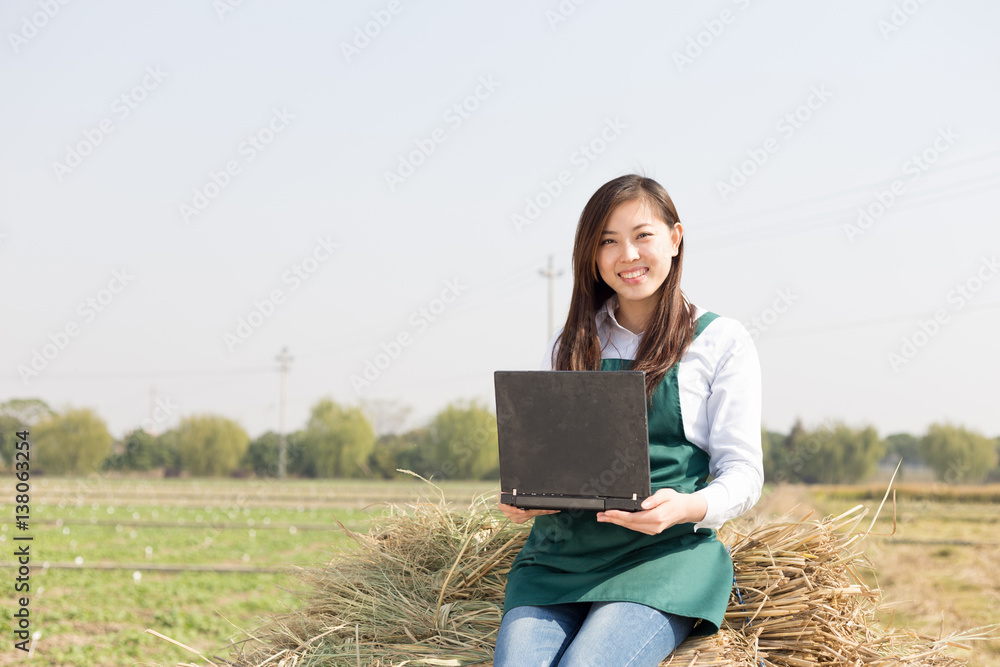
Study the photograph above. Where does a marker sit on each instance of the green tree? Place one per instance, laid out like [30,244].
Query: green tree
[9,426]
[19,414]
[958,455]
[993,476]
[262,454]
[76,441]
[28,411]
[143,451]
[210,444]
[337,441]
[832,454]
[844,455]
[903,446]
[167,446]
[394,452]
[785,455]
[772,443]
[462,442]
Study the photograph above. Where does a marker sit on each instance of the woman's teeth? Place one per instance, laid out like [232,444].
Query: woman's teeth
[633,274]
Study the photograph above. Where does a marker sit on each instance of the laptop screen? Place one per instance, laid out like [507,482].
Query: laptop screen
[573,434]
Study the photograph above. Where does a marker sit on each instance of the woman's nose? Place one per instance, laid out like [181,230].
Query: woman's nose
[629,252]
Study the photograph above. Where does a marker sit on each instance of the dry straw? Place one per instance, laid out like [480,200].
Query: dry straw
[426,587]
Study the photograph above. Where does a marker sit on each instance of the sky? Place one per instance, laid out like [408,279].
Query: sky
[188,188]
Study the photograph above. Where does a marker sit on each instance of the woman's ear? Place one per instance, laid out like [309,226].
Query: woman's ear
[676,235]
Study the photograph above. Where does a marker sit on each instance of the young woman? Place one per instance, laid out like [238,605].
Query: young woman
[625,588]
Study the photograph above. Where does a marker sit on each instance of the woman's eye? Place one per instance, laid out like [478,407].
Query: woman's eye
[606,241]
[644,234]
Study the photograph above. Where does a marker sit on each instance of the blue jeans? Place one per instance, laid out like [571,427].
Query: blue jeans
[603,634]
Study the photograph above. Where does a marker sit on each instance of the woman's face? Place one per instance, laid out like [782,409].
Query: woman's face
[635,250]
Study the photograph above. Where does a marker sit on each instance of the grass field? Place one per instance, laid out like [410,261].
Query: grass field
[247,535]
[939,569]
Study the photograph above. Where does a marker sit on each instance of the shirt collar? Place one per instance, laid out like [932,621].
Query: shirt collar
[607,310]
[606,316]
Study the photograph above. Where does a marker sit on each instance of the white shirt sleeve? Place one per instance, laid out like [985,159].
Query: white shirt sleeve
[733,408]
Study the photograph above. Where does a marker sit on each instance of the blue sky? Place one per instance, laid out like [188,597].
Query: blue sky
[353,180]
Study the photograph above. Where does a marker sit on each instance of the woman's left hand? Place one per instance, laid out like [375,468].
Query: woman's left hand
[663,509]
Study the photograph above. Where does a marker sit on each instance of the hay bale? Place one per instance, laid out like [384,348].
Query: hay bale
[426,587]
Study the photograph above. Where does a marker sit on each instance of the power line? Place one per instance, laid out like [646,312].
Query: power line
[859,324]
[122,375]
[826,218]
[737,218]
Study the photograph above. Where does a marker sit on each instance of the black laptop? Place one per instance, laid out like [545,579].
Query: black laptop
[573,439]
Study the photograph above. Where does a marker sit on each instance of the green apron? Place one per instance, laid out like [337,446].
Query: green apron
[570,557]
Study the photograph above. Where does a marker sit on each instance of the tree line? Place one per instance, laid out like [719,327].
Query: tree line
[835,453]
[338,441]
[459,442]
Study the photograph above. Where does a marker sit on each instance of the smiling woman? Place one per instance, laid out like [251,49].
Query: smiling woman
[634,259]
[619,587]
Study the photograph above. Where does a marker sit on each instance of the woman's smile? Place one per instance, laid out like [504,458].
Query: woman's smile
[633,276]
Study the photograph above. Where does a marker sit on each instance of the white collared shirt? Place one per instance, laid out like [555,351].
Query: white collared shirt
[719,383]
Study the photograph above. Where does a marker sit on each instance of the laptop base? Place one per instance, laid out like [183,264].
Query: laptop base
[556,502]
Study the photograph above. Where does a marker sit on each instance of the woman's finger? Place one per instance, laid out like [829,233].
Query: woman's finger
[658,498]
[518,515]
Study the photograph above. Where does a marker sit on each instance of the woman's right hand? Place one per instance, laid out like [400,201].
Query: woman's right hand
[518,515]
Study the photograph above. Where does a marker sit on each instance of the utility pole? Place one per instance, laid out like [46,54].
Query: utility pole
[551,274]
[153,431]
[284,359]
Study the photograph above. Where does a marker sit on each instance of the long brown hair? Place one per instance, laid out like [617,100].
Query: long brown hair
[671,327]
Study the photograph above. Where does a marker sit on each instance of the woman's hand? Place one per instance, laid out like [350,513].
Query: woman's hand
[663,509]
[518,515]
